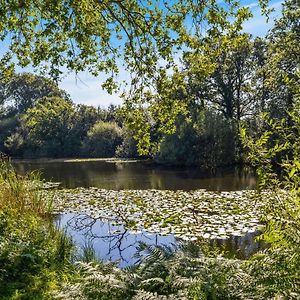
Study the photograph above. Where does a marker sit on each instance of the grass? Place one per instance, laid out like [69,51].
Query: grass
[22,194]
[34,255]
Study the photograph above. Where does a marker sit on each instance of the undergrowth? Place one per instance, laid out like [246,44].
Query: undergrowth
[34,255]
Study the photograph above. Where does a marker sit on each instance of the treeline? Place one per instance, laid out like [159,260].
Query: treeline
[228,81]
[38,119]
[193,117]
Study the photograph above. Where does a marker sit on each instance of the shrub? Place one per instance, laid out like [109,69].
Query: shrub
[276,154]
[102,140]
[34,256]
[128,148]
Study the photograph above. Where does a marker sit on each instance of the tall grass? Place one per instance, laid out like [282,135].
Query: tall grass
[35,256]
[23,193]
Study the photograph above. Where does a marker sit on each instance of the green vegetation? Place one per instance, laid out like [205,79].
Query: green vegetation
[38,121]
[191,116]
[208,141]
[37,259]
[34,256]
[233,99]
[102,140]
[279,168]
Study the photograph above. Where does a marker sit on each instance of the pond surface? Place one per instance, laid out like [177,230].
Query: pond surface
[109,242]
[137,175]
[115,243]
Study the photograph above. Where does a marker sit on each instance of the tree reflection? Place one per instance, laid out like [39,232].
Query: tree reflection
[119,242]
[115,242]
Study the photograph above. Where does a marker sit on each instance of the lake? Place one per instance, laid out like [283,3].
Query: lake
[115,243]
[117,175]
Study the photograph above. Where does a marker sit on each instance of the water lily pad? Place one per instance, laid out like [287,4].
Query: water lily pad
[190,215]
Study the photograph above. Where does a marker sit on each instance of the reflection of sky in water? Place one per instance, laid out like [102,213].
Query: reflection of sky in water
[110,242]
[114,243]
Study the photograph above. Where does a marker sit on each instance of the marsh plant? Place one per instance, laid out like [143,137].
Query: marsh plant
[23,194]
[34,254]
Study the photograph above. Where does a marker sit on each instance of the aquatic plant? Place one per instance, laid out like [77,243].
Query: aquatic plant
[23,193]
[187,215]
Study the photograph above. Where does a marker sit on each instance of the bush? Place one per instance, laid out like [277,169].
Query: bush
[276,155]
[128,148]
[102,140]
[34,255]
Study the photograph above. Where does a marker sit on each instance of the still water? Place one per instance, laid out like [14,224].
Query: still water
[115,243]
[137,175]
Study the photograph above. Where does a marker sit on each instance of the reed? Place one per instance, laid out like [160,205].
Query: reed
[35,255]
[23,193]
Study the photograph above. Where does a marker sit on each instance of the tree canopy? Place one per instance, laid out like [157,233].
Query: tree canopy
[94,35]
[99,36]
[23,90]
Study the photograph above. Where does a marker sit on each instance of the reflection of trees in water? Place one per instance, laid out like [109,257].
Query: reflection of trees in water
[117,237]
[138,175]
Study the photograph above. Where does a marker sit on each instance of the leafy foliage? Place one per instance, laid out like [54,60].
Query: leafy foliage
[222,67]
[23,91]
[128,148]
[39,120]
[102,140]
[83,35]
[282,65]
[276,154]
[49,126]
[208,141]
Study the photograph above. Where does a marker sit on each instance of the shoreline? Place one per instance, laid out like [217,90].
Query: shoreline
[72,160]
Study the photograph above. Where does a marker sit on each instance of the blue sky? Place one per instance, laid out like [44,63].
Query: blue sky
[86,89]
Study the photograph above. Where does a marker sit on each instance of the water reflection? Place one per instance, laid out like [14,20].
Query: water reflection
[115,243]
[241,247]
[110,242]
[137,175]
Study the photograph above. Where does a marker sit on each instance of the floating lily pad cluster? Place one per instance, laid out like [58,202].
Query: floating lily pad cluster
[50,185]
[38,185]
[188,215]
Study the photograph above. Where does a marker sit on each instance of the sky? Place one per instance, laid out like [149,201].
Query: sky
[86,89]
